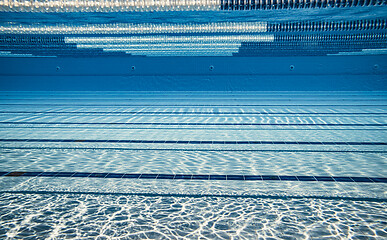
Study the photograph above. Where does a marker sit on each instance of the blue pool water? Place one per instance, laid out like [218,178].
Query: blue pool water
[228,120]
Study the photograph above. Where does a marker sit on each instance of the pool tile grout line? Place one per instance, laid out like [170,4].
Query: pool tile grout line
[193,142]
[189,150]
[197,113]
[194,105]
[200,124]
[299,178]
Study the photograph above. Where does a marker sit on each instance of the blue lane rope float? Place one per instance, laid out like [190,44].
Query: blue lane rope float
[308,38]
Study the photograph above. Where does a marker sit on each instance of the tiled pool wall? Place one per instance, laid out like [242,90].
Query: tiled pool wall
[309,73]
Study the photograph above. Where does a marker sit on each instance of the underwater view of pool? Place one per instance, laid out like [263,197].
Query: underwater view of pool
[193,165]
[207,119]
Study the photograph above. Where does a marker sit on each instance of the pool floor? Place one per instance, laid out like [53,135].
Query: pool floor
[193,165]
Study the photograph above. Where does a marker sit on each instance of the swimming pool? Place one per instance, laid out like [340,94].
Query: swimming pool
[255,124]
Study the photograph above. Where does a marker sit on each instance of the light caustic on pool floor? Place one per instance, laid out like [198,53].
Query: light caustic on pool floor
[87,168]
[138,217]
[308,140]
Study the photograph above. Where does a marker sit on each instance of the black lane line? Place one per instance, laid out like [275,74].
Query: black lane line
[234,177]
[193,113]
[195,142]
[204,124]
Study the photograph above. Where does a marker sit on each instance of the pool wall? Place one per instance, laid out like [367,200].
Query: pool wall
[314,73]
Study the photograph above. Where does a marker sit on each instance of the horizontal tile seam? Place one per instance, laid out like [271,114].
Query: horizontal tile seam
[193,105]
[253,142]
[192,113]
[228,177]
[192,149]
[193,124]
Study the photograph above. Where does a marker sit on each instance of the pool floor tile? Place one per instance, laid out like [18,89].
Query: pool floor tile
[98,175]
[131,176]
[235,177]
[200,177]
[183,176]
[114,175]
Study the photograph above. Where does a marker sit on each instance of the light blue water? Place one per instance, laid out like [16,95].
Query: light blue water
[272,128]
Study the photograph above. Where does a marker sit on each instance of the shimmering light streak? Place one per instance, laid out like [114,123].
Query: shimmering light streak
[161,45]
[172,5]
[9,54]
[170,39]
[127,28]
[187,52]
[108,5]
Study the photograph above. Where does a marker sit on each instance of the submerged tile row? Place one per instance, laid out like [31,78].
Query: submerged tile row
[200,124]
[198,112]
[197,177]
[183,104]
[193,142]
